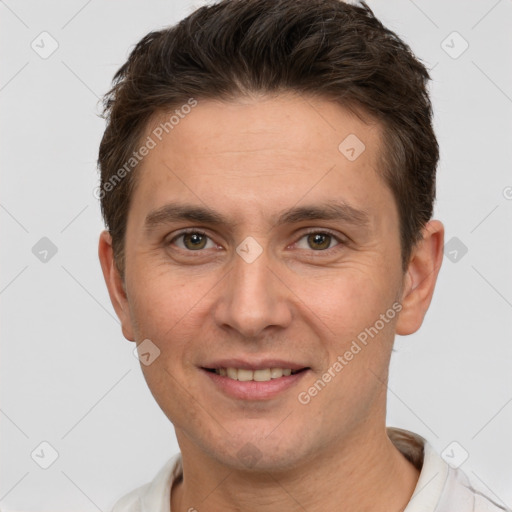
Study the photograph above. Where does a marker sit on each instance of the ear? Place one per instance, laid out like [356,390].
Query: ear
[115,284]
[420,278]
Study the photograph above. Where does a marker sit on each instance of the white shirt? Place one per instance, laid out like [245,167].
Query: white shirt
[440,487]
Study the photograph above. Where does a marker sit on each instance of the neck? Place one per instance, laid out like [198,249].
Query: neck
[363,474]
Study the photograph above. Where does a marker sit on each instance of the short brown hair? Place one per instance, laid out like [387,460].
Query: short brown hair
[326,48]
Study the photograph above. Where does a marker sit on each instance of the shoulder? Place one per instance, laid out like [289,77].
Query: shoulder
[451,488]
[441,487]
[466,494]
[154,495]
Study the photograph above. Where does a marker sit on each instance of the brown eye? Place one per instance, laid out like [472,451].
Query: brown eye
[319,241]
[192,241]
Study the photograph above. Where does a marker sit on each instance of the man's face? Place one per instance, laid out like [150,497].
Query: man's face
[265,289]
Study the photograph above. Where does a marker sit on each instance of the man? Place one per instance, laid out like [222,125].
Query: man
[267,180]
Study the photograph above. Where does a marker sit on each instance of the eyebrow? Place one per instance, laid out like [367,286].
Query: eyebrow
[331,210]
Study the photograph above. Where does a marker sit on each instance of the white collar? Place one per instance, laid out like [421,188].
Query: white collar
[440,488]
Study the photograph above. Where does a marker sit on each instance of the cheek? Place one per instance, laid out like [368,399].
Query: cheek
[346,300]
[173,310]
[161,299]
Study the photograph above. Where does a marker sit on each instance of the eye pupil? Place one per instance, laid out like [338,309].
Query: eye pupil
[195,238]
[319,238]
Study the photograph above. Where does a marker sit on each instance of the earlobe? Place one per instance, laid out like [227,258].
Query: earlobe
[420,278]
[115,285]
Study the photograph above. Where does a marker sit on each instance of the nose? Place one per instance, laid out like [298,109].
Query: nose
[253,298]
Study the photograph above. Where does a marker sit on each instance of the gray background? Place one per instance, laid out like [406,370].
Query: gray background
[69,378]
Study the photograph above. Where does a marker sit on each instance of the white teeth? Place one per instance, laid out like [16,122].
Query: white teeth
[260,375]
[275,373]
[245,375]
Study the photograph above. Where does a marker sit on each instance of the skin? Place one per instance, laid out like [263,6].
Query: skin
[250,159]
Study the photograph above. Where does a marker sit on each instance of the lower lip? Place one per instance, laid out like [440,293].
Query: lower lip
[254,390]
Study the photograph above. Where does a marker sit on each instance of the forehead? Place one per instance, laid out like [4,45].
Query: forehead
[262,150]
[286,122]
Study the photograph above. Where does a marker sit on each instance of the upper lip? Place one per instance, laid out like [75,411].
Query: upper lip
[259,364]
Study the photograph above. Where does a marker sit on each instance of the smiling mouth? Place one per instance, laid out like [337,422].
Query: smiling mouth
[262,375]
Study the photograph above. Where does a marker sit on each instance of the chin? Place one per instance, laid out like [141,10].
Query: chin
[259,454]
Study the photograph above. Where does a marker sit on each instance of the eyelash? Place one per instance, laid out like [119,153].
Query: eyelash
[340,241]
